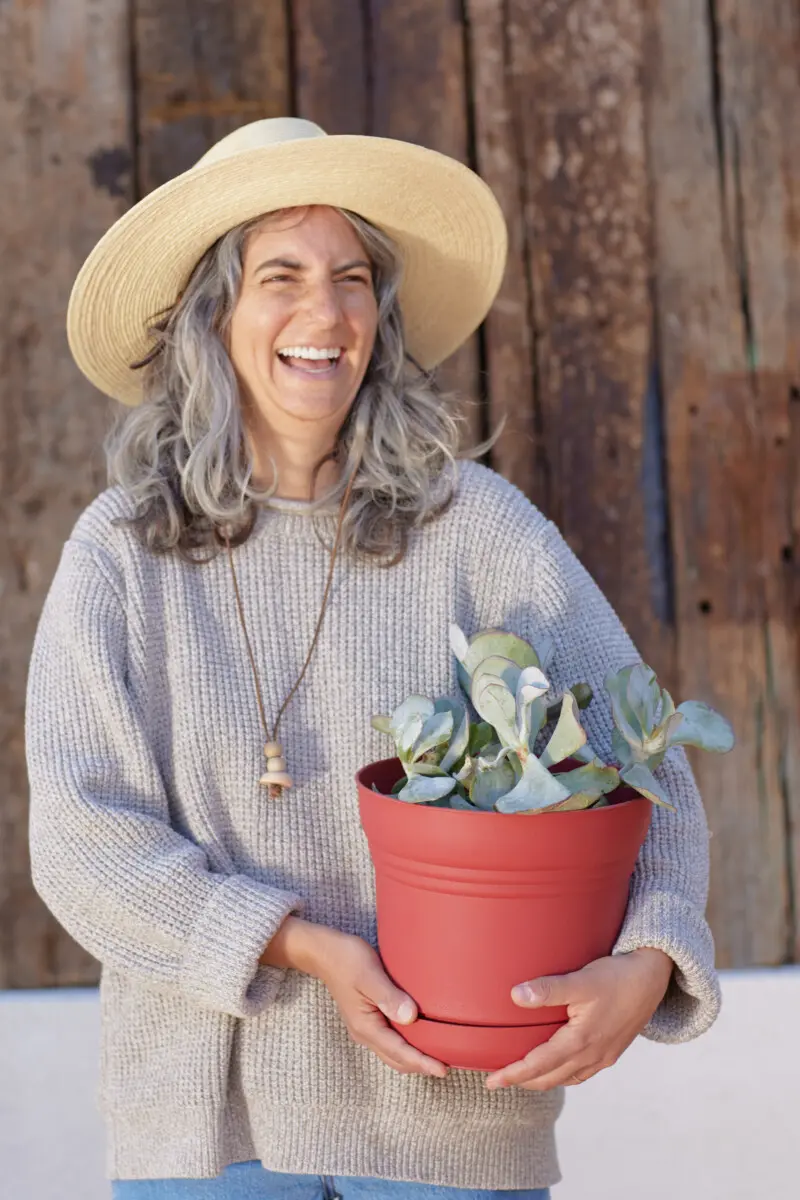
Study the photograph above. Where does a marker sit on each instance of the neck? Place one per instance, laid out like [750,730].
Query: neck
[294,461]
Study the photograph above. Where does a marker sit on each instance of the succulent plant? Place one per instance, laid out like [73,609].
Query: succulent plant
[490,764]
[646,724]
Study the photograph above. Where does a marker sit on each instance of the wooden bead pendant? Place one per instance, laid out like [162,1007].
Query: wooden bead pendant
[276,776]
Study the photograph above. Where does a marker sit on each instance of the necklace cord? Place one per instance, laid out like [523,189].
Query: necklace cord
[299,680]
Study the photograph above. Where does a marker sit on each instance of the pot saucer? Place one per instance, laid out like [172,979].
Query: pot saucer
[475,1047]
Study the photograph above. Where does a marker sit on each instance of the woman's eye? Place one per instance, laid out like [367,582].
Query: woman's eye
[355,279]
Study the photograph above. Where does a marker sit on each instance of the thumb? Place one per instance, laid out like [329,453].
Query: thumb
[396,1005]
[542,992]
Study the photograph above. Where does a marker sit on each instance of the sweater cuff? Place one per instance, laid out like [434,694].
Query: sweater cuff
[693,999]
[220,968]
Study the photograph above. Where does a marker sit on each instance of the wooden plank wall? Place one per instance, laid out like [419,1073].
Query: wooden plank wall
[643,349]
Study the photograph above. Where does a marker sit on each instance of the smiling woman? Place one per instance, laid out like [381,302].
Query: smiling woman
[232,419]
[301,337]
[271,319]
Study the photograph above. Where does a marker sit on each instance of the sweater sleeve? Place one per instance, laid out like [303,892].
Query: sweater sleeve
[135,893]
[669,888]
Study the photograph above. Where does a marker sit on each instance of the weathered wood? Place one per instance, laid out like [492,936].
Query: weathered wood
[332,70]
[726,387]
[509,332]
[419,93]
[65,150]
[203,68]
[574,76]
[759,49]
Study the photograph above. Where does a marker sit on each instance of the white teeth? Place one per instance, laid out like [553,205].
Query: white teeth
[308,352]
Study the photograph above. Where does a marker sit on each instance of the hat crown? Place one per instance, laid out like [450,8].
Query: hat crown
[259,134]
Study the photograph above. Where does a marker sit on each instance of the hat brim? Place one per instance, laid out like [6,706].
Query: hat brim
[445,219]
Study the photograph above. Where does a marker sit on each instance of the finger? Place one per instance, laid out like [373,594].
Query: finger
[544,1083]
[386,1042]
[566,1051]
[395,1004]
[548,990]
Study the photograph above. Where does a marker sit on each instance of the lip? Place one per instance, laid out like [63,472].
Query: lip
[327,373]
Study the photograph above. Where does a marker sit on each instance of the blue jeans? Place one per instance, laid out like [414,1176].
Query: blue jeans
[249,1181]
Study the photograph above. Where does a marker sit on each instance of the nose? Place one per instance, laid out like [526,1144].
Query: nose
[322,303]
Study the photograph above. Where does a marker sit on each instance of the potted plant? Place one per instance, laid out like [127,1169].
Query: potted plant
[503,845]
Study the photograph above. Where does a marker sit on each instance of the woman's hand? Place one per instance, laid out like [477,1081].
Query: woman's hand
[608,1003]
[364,993]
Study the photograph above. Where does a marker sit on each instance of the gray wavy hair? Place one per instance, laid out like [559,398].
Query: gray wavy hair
[182,455]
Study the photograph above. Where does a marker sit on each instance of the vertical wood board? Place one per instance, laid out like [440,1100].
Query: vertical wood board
[575,75]
[66,154]
[717,464]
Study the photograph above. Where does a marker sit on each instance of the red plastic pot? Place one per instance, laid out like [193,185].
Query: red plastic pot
[470,904]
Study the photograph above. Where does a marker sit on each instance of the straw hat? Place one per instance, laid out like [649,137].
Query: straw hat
[442,215]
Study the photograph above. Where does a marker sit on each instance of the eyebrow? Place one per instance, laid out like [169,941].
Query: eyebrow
[292,265]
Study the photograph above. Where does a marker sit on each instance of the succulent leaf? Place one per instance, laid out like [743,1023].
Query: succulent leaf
[495,704]
[458,643]
[459,740]
[413,705]
[408,736]
[583,694]
[536,790]
[621,747]
[667,705]
[458,802]
[568,735]
[491,783]
[497,667]
[480,736]
[616,684]
[494,642]
[436,730]
[423,768]
[702,726]
[593,781]
[382,723]
[637,776]
[421,788]
[531,686]
[643,695]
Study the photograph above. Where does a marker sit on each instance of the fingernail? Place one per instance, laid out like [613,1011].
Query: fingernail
[405,1012]
[523,993]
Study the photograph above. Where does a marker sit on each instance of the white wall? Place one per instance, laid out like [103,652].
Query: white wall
[712,1120]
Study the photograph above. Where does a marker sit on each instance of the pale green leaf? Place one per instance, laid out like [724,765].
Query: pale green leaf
[536,790]
[495,704]
[491,783]
[568,735]
[412,706]
[643,695]
[616,684]
[436,730]
[702,726]
[593,780]
[423,787]
[637,776]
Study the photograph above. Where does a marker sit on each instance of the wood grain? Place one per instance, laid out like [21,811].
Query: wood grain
[332,66]
[66,154]
[723,401]
[420,94]
[201,70]
[574,74]
[510,331]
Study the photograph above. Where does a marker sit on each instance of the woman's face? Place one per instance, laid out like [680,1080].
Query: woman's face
[306,289]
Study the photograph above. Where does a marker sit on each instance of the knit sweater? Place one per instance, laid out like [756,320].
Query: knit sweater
[156,849]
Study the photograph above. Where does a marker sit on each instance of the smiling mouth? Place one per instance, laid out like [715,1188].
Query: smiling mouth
[322,367]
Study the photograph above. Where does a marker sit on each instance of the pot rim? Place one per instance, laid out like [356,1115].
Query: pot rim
[596,813]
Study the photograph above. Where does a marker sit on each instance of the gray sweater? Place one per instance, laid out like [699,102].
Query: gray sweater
[154,846]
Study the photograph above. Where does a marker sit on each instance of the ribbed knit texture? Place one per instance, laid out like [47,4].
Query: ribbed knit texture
[155,847]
